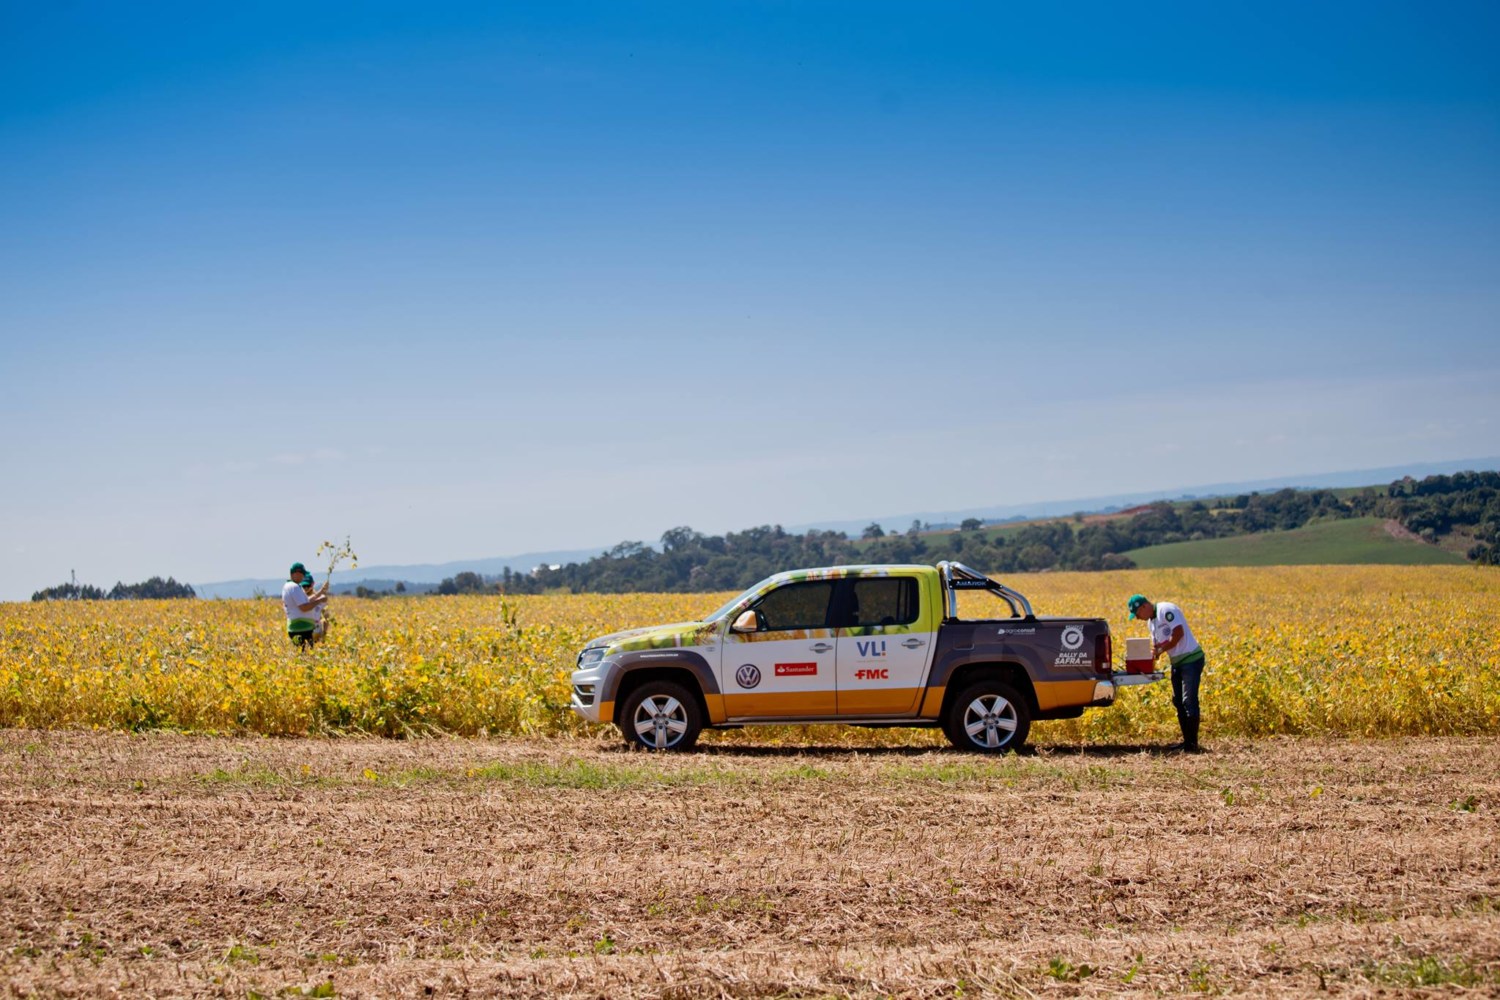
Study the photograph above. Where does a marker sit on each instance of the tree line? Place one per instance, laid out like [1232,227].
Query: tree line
[1465,504]
[154,589]
[688,561]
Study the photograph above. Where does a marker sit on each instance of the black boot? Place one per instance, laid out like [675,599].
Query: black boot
[1190,735]
[1182,723]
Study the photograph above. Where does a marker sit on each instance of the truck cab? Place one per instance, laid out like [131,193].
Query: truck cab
[863,645]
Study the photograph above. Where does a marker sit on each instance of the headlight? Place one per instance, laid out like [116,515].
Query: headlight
[590,656]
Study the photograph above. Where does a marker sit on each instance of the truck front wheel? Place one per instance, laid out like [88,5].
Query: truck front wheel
[660,715]
[988,716]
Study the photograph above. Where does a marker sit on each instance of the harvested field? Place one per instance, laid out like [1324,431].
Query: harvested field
[170,865]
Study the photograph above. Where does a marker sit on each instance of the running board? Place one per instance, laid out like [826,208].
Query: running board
[907,721]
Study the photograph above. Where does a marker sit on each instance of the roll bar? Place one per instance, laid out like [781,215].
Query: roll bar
[957,576]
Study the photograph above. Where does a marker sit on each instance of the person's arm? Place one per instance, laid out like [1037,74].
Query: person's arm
[319,599]
[1169,644]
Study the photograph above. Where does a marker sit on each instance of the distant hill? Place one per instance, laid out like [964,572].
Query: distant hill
[1438,519]
[1120,501]
[1003,527]
[1356,540]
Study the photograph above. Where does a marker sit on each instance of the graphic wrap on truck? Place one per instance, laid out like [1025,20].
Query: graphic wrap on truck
[785,668]
[854,643]
[887,636]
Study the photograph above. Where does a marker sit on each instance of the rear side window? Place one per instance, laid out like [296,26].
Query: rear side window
[882,600]
[797,605]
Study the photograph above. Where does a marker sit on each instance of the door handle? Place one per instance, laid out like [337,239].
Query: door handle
[821,647]
[913,643]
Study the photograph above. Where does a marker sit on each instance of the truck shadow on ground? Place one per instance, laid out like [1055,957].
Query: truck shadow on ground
[749,751]
[1096,750]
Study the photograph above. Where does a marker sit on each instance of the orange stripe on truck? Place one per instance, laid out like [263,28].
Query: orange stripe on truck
[1063,694]
[789,704]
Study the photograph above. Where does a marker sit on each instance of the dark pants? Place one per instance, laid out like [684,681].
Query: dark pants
[1185,681]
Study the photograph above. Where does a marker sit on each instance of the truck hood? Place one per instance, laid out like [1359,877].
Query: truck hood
[658,637]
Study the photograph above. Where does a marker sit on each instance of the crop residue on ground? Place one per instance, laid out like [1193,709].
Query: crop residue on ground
[167,864]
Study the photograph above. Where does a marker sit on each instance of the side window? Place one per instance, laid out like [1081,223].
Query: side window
[883,600]
[797,605]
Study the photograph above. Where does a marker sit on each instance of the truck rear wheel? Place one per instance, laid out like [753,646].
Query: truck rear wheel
[988,716]
[660,715]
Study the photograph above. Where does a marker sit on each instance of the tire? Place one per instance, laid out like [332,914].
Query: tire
[988,716]
[660,715]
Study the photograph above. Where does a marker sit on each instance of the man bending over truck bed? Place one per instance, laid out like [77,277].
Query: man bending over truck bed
[1170,634]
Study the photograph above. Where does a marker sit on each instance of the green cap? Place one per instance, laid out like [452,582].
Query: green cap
[1136,600]
[307,581]
[296,568]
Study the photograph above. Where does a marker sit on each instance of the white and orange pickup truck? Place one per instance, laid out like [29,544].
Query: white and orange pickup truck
[864,645]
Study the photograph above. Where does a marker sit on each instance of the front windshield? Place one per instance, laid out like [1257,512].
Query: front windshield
[724,608]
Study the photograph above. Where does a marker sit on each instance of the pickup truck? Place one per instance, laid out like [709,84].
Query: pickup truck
[865,645]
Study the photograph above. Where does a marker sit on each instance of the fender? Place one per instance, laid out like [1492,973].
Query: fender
[948,661]
[656,659]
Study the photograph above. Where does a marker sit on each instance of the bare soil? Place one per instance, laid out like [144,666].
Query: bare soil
[1401,532]
[164,865]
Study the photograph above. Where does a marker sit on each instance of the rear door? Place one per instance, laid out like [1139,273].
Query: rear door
[885,643]
[785,669]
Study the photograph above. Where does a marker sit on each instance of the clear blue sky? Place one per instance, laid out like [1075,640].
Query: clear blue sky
[474,279]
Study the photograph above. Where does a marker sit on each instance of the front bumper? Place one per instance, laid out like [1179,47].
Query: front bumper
[588,685]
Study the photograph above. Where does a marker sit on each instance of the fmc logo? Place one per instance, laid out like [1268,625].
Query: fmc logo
[872,675]
[747,676]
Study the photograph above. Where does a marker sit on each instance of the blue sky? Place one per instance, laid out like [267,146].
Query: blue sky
[473,279]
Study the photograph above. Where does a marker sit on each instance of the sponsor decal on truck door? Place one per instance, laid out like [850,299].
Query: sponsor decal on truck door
[785,667]
[885,641]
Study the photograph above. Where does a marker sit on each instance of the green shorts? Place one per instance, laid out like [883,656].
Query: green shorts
[301,630]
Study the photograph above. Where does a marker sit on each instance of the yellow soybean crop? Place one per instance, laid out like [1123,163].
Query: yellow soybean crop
[1364,651]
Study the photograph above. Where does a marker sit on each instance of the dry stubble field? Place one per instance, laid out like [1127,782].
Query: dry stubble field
[166,865]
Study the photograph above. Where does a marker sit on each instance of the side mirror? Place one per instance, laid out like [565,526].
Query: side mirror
[748,621]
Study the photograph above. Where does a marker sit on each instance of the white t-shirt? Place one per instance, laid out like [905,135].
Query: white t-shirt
[1168,619]
[292,598]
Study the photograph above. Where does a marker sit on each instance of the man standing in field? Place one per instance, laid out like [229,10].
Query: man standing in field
[301,623]
[318,615]
[1170,634]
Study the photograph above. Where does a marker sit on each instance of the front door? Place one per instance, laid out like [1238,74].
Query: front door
[784,669]
[885,641]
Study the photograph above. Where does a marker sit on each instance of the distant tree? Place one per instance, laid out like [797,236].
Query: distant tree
[676,539]
[970,524]
[872,530]
[463,583]
[400,587]
[915,529]
[154,589]
[69,592]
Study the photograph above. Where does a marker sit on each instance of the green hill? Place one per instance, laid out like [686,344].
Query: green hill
[1356,540]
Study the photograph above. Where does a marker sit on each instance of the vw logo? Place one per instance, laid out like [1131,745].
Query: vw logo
[1072,637]
[747,676]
